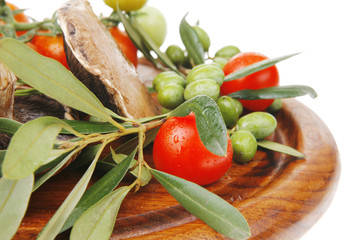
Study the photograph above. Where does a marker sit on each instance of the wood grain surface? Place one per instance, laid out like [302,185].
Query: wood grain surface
[280,196]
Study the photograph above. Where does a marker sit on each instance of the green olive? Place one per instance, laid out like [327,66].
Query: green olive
[176,54]
[202,87]
[227,52]
[260,124]
[221,61]
[206,71]
[275,106]
[164,78]
[228,109]
[244,146]
[238,105]
[171,96]
[203,37]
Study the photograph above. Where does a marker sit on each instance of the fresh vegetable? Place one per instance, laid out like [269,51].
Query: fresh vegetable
[204,86]
[179,151]
[268,77]
[153,22]
[203,37]
[227,51]
[244,146]
[206,71]
[51,46]
[125,44]
[176,54]
[126,5]
[260,124]
[231,109]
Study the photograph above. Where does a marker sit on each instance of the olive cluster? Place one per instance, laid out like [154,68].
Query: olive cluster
[250,128]
[206,79]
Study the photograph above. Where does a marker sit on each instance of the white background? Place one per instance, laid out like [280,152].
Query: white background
[327,34]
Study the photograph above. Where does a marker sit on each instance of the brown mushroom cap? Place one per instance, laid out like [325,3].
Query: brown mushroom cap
[96,60]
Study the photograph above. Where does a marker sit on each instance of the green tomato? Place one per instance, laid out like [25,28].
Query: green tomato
[260,124]
[206,71]
[229,111]
[176,54]
[203,37]
[244,146]
[227,52]
[171,96]
[153,22]
[202,87]
[126,5]
[167,77]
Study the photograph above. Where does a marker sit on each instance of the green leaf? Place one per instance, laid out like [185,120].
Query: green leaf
[191,42]
[9,126]
[278,147]
[210,208]
[290,91]
[136,38]
[15,196]
[55,224]
[41,180]
[255,67]
[51,78]
[97,222]
[209,122]
[87,127]
[100,189]
[145,175]
[26,92]
[30,147]
[86,156]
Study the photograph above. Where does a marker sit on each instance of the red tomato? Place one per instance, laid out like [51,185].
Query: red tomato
[178,150]
[20,17]
[125,44]
[268,77]
[52,47]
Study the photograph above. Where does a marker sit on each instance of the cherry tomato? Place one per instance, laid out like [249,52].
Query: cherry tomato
[125,44]
[126,5]
[52,47]
[178,150]
[20,17]
[268,77]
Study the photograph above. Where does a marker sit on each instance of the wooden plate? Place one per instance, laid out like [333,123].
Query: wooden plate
[281,197]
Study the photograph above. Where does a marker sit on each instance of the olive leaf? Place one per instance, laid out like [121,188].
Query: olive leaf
[98,221]
[207,206]
[145,175]
[191,42]
[30,146]
[86,156]
[255,67]
[278,92]
[51,78]
[209,122]
[87,127]
[26,92]
[15,196]
[136,38]
[53,227]
[64,159]
[99,189]
[9,126]
[278,147]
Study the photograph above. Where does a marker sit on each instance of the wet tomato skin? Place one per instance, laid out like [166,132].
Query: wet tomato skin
[268,77]
[178,150]
[51,46]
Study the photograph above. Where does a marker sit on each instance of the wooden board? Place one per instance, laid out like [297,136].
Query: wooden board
[281,197]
